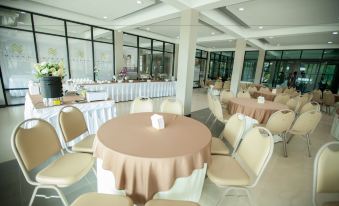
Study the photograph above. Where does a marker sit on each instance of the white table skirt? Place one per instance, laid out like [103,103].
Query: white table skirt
[184,188]
[129,91]
[95,113]
[335,127]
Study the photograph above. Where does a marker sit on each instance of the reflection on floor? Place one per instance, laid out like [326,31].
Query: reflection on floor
[286,181]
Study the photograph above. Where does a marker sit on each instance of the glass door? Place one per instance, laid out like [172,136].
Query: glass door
[2,95]
[308,76]
[328,77]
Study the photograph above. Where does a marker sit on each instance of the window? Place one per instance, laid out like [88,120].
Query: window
[78,30]
[103,61]
[312,54]
[331,54]
[102,35]
[145,59]
[130,40]
[81,61]
[290,54]
[49,25]
[15,19]
[130,55]
[145,43]
[273,55]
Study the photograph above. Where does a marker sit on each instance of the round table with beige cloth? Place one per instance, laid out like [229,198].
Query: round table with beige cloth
[145,160]
[252,108]
[268,95]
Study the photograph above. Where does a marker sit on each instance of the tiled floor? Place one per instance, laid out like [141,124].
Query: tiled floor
[286,181]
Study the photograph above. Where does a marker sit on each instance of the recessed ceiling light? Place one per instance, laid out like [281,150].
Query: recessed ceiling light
[260,27]
[22,12]
[105,17]
[330,42]
[271,37]
[212,33]
[241,9]
[147,28]
[139,2]
[335,32]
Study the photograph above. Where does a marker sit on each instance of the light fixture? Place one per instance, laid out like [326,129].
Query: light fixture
[330,42]
[260,27]
[212,33]
[147,28]
[335,32]
[139,2]
[241,9]
[271,37]
[22,12]
[105,17]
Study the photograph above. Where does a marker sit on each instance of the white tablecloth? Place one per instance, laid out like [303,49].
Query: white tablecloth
[184,188]
[95,113]
[335,127]
[129,91]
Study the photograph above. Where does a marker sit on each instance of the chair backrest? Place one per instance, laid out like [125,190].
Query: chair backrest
[307,122]
[210,102]
[227,85]
[141,105]
[293,104]
[35,144]
[72,123]
[326,170]
[255,151]
[252,89]
[173,106]
[310,97]
[303,100]
[264,89]
[243,95]
[218,85]
[328,98]
[280,121]
[234,130]
[317,95]
[309,107]
[218,109]
[279,90]
[225,96]
[282,98]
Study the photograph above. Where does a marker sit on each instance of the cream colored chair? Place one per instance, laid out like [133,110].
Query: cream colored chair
[326,175]
[92,198]
[34,142]
[282,98]
[309,107]
[244,95]
[227,85]
[220,115]
[210,106]
[218,85]
[225,96]
[305,125]
[252,89]
[264,89]
[317,96]
[328,100]
[293,104]
[279,123]
[279,90]
[310,97]
[232,132]
[72,124]
[158,202]
[141,105]
[302,101]
[244,169]
[173,106]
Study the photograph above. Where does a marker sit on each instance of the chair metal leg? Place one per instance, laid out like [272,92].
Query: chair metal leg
[208,118]
[33,195]
[308,145]
[289,139]
[284,144]
[60,194]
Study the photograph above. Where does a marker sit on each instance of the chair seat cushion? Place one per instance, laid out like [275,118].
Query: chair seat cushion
[85,145]
[66,170]
[90,199]
[331,204]
[226,171]
[170,203]
[296,132]
[218,147]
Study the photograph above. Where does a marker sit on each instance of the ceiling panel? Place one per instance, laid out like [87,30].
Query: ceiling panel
[319,38]
[218,44]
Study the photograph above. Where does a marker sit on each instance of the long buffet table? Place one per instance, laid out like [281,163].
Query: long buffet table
[127,91]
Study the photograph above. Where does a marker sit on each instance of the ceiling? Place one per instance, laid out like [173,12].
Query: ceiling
[305,24]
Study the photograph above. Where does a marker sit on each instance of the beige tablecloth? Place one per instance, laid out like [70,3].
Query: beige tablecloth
[268,95]
[250,107]
[144,160]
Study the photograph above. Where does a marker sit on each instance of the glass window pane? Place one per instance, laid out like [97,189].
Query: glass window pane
[145,59]
[102,35]
[251,55]
[103,59]
[204,54]
[78,30]
[249,70]
[2,96]
[52,49]
[15,19]
[130,55]
[273,55]
[158,45]
[312,54]
[130,40]
[331,54]
[158,67]
[49,25]
[80,54]
[168,64]
[197,53]
[145,43]
[291,54]
[169,47]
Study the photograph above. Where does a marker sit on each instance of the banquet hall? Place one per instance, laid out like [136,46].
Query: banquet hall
[169,102]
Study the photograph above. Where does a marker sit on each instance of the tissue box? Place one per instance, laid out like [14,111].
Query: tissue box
[158,121]
[96,96]
[261,100]
[274,91]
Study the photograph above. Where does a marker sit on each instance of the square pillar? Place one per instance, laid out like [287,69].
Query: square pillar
[260,66]
[238,65]
[118,51]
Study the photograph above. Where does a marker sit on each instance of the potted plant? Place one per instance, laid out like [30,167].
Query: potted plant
[50,76]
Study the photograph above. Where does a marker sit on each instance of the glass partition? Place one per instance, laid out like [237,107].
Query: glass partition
[103,61]
[15,19]
[130,55]
[49,25]
[78,30]
[81,59]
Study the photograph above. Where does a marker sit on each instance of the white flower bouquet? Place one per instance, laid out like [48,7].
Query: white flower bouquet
[45,69]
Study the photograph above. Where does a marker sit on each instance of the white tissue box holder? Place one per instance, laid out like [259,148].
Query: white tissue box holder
[274,91]
[261,100]
[158,121]
[96,96]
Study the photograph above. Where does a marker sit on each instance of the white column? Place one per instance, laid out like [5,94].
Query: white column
[260,66]
[238,64]
[186,59]
[118,51]
[176,55]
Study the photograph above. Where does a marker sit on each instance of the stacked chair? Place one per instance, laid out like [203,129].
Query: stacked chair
[141,105]
[328,100]
[282,98]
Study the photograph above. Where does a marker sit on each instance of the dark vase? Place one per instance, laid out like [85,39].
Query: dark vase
[51,87]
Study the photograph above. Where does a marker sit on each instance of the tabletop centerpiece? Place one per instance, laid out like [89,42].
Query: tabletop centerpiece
[50,77]
[123,75]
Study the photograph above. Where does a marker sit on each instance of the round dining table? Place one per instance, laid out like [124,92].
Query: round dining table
[251,107]
[145,160]
[267,94]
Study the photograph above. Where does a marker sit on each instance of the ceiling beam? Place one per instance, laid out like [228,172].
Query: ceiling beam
[178,4]
[202,5]
[222,37]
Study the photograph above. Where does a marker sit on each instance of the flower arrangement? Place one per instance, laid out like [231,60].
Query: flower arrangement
[123,73]
[45,69]
[96,72]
